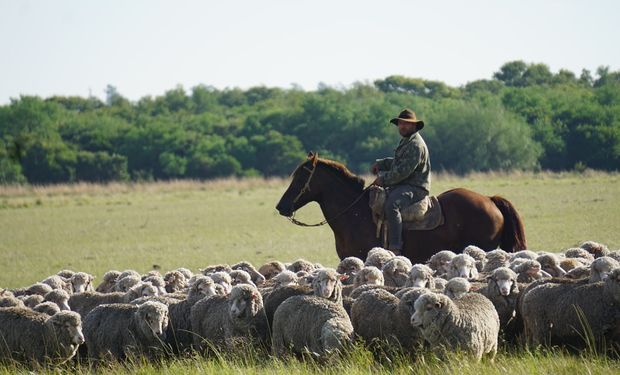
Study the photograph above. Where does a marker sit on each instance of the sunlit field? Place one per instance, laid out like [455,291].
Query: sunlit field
[94,228]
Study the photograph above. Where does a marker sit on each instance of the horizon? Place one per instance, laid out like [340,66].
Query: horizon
[145,48]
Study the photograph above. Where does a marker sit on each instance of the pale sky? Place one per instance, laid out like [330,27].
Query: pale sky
[146,47]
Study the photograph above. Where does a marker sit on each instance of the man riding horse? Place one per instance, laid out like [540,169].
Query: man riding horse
[407,176]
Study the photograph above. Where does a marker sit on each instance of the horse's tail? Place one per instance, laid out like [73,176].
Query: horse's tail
[513,233]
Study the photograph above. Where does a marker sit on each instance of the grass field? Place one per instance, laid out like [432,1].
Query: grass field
[96,228]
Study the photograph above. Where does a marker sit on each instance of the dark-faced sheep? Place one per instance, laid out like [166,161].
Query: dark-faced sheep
[36,337]
[349,266]
[122,330]
[225,322]
[270,269]
[550,264]
[595,248]
[469,324]
[108,283]
[573,313]
[256,277]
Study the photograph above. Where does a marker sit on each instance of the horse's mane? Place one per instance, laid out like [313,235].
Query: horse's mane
[344,172]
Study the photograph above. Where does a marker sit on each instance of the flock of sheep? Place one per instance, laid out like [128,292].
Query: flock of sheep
[470,302]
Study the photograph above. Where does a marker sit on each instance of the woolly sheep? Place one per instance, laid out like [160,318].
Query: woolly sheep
[503,291]
[525,254]
[240,277]
[568,264]
[577,252]
[36,337]
[595,248]
[59,297]
[301,265]
[556,313]
[601,268]
[8,300]
[81,282]
[186,272]
[47,308]
[256,276]
[349,266]
[421,276]
[377,257]
[396,271]
[464,266]
[439,283]
[280,294]
[310,323]
[581,272]
[270,269]
[65,274]
[84,303]
[179,331]
[379,315]
[495,259]
[32,300]
[38,288]
[123,330]
[109,281]
[550,264]
[530,270]
[226,321]
[123,284]
[478,254]
[440,262]
[457,287]
[327,284]
[215,268]
[222,278]
[470,323]
[368,275]
[158,282]
[58,282]
[175,281]
[284,278]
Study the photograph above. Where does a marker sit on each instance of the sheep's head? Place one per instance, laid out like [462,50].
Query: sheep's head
[60,298]
[39,289]
[377,257]
[125,283]
[612,284]
[595,248]
[421,276]
[269,270]
[222,278]
[81,282]
[457,287]
[216,268]
[369,275]
[440,262]
[525,254]
[109,281]
[203,286]
[327,284]
[429,308]
[406,304]
[240,277]
[463,266]
[602,267]
[143,289]
[529,267]
[155,315]
[174,281]
[550,264]
[503,281]
[67,327]
[301,265]
[285,278]
[396,271]
[350,266]
[256,277]
[244,301]
[47,308]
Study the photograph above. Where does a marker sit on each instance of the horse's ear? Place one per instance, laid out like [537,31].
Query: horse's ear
[310,155]
[314,157]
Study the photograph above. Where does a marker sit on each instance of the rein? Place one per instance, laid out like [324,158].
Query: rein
[305,189]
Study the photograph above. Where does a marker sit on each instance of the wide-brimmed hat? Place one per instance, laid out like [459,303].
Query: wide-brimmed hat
[409,116]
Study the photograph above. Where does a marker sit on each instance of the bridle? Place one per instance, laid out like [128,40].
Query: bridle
[306,189]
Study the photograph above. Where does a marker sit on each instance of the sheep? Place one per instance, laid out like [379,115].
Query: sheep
[439,283]
[284,278]
[495,259]
[327,284]
[38,288]
[240,277]
[257,278]
[222,278]
[601,268]
[581,272]
[9,300]
[377,257]
[186,272]
[58,282]
[349,266]
[65,274]
[368,275]
[123,330]
[503,291]
[179,331]
[151,273]
[469,324]
[396,271]
[457,287]
[311,323]
[123,284]
[158,282]
[530,270]
[550,264]
[270,269]
[464,266]
[577,252]
[301,265]
[595,248]
[36,337]
[378,315]
[47,308]
[131,273]
[440,262]
[614,254]
[478,254]
[524,254]
[226,321]
[59,297]
[109,281]
[175,281]
[280,294]
[421,276]
[568,264]
[32,300]
[84,303]
[81,282]
[573,313]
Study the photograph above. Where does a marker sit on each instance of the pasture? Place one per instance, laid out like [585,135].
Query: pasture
[95,228]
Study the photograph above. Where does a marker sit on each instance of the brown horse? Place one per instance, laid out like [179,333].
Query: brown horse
[470,218]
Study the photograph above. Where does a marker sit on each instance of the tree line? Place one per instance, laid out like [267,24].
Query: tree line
[526,117]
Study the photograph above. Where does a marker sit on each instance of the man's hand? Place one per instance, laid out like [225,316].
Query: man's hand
[375,168]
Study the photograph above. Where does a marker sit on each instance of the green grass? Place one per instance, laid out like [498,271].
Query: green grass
[98,228]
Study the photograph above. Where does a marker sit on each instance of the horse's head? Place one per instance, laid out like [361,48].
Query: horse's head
[299,192]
